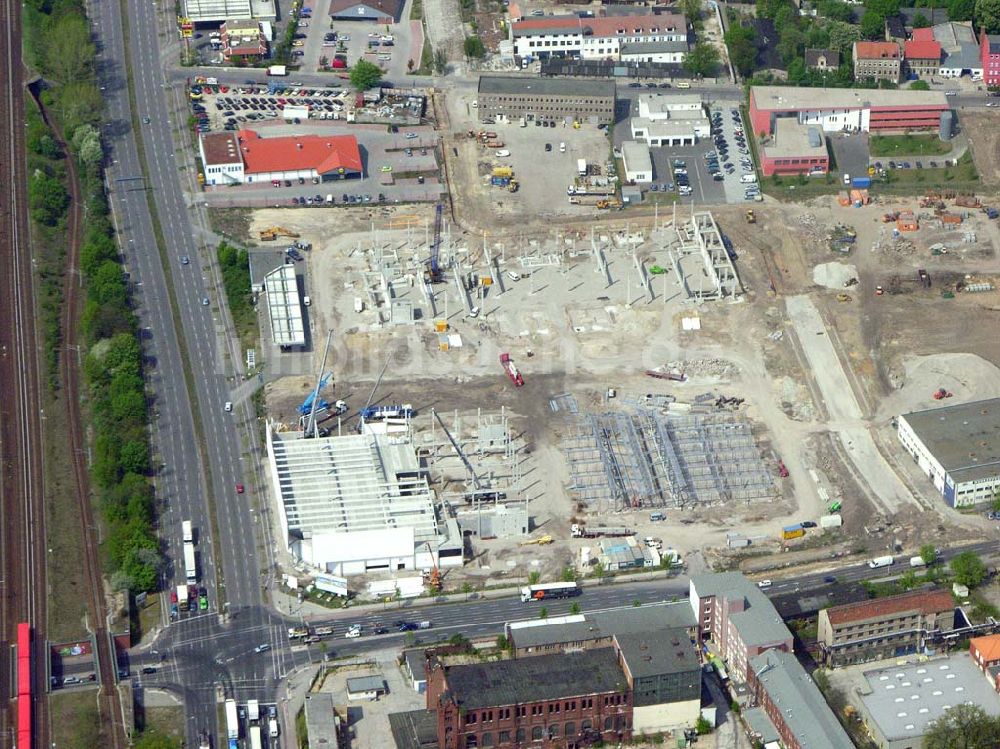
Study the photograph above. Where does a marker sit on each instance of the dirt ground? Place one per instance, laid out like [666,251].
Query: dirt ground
[984,137]
[569,331]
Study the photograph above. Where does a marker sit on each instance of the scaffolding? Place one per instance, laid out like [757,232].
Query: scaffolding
[647,458]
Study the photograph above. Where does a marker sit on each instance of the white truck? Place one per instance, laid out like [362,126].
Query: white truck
[917,562]
[187,531]
[253,711]
[581,167]
[232,720]
[255,742]
[878,562]
[190,567]
[272,727]
[278,70]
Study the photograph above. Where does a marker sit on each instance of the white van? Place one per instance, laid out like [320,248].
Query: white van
[683,84]
[229,406]
[513,276]
[562,148]
[748,179]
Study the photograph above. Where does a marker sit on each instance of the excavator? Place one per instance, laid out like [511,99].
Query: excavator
[273,232]
[433,580]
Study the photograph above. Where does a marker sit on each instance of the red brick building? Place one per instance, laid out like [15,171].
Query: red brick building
[989,48]
[985,652]
[560,701]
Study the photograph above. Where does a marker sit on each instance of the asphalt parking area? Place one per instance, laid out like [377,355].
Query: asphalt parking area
[704,190]
[737,155]
[851,153]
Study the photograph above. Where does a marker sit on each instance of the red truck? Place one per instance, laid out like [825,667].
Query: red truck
[511,370]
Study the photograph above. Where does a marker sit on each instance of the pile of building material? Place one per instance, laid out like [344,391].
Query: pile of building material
[834,275]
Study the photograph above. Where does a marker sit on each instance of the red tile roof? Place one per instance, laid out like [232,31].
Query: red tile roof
[324,153]
[988,647]
[922,50]
[926,602]
[923,35]
[606,27]
[876,50]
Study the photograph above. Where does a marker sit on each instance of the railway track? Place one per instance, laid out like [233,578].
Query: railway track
[22,508]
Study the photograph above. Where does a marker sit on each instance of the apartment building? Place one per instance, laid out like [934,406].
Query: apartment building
[601,38]
[989,47]
[881,61]
[922,58]
[793,704]
[737,619]
[883,627]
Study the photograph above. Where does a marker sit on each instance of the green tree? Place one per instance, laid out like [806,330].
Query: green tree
[440,61]
[703,727]
[702,60]
[988,15]
[466,589]
[928,553]
[884,8]
[741,42]
[968,569]
[365,75]
[568,574]
[47,198]
[920,21]
[963,727]
[873,25]
[474,47]
[543,613]
[502,642]
[691,9]
[791,43]
[533,577]
[87,144]
[920,86]
[599,570]
[836,10]
[961,10]
[574,609]
[996,502]
[134,457]
[69,53]
[797,72]
[842,37]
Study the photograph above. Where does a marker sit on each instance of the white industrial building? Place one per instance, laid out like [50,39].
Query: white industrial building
[284,307]
[638,164]
[358,503]
[670,120]
[958,448]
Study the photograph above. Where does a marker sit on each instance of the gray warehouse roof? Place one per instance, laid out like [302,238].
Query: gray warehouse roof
[904,699]
[646,619]
[802,707]
[416,729]
[651,654]
[366,684]
[649,48]
[497,84]
[965,438]
[540,677]
[321,721]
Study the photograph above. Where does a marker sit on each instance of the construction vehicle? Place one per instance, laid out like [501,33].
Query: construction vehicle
[843,297]
[580,531]
[879,291]
[540,541]
[434,577]
[675,376]
[990,212]
[835,506]
[434,274]
[941,394]
[502,171]
[751,216]
[657,270]
[925,279]
[508,365]
[513,186]
[273,232]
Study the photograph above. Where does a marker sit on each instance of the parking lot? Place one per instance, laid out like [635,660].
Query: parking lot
[400,166]
[722,155]
[390,47]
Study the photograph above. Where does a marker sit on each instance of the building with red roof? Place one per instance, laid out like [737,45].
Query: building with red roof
[601,37]
[244,39]
[922,58]
[883,627]
[245,157]
[881,61]
[989,48]
[985,653]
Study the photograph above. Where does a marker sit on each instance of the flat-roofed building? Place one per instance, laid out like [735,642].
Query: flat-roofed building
[897,703]
[883,627]
[637,162]
[957,448]
[794,148]
[601,37]
[284,307]
[221,158]
[670,120]
[358,503]
[851,109]
[512,97]
[209,11]
[243,39]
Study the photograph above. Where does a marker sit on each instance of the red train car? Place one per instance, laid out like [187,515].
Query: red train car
[24,735]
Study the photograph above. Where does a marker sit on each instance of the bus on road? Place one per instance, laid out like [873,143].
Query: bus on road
[549,590]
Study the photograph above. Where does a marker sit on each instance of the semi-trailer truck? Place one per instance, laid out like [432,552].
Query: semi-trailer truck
[232,720]
[189,562]
[187,531]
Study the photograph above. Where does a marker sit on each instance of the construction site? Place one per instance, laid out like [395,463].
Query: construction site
[717,370]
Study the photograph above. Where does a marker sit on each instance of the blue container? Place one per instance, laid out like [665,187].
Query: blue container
[861,183]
